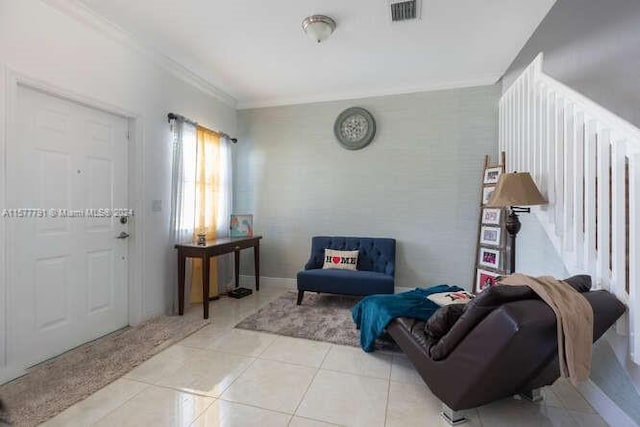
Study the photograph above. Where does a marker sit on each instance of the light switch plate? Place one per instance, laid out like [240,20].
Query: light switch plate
[156,205]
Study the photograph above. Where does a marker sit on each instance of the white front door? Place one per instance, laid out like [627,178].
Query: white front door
[67,271]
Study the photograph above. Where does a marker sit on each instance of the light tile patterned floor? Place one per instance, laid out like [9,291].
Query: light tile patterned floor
[221,376]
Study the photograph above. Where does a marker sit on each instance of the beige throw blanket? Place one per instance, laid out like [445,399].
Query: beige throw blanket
[574,319]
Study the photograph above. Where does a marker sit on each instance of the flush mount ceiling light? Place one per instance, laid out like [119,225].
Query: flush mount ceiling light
[318,27]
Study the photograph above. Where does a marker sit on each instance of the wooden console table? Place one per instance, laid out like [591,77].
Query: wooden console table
[214,248]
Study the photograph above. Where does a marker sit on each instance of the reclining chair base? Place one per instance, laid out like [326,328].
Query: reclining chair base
[454,418]
[534,395]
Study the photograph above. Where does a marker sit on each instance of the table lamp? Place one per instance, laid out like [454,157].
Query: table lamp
[515,190]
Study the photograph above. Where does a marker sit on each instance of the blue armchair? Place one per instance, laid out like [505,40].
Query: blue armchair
[375,270]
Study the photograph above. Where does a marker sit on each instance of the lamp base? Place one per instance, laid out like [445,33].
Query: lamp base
[513,225]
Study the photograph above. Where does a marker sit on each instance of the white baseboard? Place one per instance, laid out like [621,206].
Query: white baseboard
[606,407]
[280,282]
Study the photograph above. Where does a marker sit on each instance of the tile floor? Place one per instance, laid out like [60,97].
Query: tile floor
[222,376]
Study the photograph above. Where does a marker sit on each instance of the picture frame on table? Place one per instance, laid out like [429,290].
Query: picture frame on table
[241,225]
[486,193]
[492,175]
[490,235]
[485,279]
[489,258]
[491,216]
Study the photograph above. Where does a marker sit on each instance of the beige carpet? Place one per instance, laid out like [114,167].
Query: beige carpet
[320,317]
[52,386]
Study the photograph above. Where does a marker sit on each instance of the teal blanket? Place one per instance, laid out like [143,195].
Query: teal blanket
[373,313]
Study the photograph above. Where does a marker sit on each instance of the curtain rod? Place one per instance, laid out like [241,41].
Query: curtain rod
[173,116]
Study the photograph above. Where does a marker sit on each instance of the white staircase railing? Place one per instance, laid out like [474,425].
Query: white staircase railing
[586,161]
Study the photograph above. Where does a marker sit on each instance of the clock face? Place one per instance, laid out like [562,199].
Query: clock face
[354,128]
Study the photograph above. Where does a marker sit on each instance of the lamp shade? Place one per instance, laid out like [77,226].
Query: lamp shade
[318,27]
[516,189]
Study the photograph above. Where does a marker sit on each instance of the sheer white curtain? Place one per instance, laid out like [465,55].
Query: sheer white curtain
[183,194]
[225,263]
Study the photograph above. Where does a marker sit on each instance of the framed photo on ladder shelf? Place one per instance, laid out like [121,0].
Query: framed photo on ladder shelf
[490,235]
[489,257]
[491,250]
[491,216]
[485,279]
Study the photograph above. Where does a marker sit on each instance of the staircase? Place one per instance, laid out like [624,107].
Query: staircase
[586,161]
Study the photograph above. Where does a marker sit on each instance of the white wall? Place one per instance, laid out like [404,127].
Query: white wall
[44,44]
[535,254]
[418,181]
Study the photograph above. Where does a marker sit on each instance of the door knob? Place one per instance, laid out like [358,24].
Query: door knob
[122,235]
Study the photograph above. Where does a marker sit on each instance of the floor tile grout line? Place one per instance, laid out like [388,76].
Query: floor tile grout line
[315,375]
[289,363]
[249,365]
[203,412]
[386,407]
[254,406]
[176,389]
[317,420]
[150,383]
[233,353]
[353,373]
[117,407]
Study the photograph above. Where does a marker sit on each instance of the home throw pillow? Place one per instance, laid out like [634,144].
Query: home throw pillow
[342,260]
[446,298]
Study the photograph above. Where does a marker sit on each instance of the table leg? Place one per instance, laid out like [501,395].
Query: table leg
[236,266]
[256,263]
[181,270]
[205,285]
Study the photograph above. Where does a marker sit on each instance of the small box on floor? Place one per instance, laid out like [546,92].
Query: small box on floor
[240,292]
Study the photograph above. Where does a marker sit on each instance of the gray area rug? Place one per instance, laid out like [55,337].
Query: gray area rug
[320,317]
[51,387]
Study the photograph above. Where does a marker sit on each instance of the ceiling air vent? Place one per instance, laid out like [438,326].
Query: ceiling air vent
[403,10]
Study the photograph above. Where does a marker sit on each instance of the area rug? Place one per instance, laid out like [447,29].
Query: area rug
[51,387]
[320,317]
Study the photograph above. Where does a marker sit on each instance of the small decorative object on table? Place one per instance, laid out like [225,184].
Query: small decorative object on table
[241,226]
[202,239]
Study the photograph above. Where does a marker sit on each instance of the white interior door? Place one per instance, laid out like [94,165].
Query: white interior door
[67,276]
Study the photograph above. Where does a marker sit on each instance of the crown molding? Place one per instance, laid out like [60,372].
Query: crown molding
[81,13]
[487,80]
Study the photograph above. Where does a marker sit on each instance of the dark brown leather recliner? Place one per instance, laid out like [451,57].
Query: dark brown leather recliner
[505,347]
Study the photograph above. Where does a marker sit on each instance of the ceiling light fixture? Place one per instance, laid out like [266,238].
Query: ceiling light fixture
[318,27]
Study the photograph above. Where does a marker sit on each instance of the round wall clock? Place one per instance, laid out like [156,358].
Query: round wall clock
[354,128]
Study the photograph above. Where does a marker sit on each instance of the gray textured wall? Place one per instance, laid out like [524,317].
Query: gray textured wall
[593,46]
[418,181]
